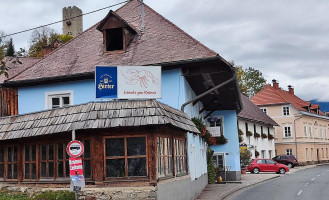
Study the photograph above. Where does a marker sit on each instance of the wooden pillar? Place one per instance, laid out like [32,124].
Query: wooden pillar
[20,167]
[97,159]
[152,157]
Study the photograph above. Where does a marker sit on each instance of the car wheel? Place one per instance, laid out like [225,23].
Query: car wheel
[282,171]
[290,165]
[255,170]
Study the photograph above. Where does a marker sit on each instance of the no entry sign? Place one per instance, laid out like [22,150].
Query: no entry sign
[75,149]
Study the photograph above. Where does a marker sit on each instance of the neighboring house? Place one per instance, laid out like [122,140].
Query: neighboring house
[8,95]
[253,120]
[303,129]
[168,157]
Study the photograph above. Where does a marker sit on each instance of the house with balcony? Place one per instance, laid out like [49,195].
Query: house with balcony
[148,145]
[303,129]
[256,129]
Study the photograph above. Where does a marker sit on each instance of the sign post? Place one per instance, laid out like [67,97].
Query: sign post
[75,149]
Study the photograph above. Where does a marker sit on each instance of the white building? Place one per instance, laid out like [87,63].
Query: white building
[256,129]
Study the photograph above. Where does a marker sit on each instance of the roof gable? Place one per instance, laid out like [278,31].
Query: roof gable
[112,20]
[161,42]
[271,96]
[252,112]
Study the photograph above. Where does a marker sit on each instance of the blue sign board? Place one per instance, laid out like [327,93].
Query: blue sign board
[106,81]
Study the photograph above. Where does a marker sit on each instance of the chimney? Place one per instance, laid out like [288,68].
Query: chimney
[290,89]
[275,84]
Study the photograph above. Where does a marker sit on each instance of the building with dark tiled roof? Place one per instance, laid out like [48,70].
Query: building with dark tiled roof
[253,120]
[148,146]
[304,129]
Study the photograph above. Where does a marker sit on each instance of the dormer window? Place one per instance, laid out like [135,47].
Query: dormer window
[114,39]
[117,33]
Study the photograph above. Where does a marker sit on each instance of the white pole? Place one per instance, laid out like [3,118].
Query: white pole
[73,135]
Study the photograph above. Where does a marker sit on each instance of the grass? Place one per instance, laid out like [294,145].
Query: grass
[47,195]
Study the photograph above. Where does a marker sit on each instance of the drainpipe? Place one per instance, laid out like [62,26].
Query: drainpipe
[210,90]
[296,134]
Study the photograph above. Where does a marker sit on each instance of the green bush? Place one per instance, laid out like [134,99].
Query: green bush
[54,195]
[210,167]
[13,196]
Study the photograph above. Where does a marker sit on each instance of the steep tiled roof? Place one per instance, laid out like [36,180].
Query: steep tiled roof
[161,42]
[270,96]
[252,112]
[94,115]
[15,67]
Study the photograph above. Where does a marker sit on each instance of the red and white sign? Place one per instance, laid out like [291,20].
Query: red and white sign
[75,148]
[75,166]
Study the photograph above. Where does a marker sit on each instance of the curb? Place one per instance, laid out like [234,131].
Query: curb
[247,186]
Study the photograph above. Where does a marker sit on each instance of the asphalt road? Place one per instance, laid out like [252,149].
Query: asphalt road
[309,184]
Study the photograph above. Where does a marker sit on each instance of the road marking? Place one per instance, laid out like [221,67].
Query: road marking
[312,179]
[318,175]
[306,184]
[300,191]
[323,172]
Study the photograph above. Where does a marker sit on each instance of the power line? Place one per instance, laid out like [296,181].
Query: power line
[64,20]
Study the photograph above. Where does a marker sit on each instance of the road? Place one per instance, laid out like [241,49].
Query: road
[309,184]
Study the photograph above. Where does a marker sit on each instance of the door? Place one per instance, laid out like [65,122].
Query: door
[317,155]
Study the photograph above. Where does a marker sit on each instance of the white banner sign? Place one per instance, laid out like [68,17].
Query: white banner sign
[139,82]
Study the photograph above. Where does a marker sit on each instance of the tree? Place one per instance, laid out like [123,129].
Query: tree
[43,38]
[10,51]
[40,38]
[250,80]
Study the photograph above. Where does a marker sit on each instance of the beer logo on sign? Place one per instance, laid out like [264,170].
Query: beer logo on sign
[105,82]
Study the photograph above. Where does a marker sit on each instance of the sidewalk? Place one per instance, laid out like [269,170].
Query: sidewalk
[221,191]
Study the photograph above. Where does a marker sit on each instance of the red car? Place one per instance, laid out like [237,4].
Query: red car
[266,165]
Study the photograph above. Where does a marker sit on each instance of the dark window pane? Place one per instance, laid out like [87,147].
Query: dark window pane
[1,170]
[27,171]
[87,149]
[67,168]
[115,168]
[9,172]
[34,171]
[15,171]
[137,167]
[115,147]
[60,151]
[27,153]
[43,152]
[51,152]
[66,100]
[1,155]
[55,101]
[87,169]
[43,169]
[136,146]
[34,152]
[51,169]
[60,168]
[9,154]
[15,153]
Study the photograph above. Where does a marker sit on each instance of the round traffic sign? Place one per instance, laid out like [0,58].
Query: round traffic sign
[75,148]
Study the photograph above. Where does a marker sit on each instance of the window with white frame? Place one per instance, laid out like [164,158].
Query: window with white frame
[306,153]
[219,160]
[216,124]
[263,153]
[289,151]
[287,131]
[58,99]
[320,131]
[285,110]
[310,129]
[305,130]
[264,110]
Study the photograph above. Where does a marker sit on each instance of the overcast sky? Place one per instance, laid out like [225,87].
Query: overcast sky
[285,40]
